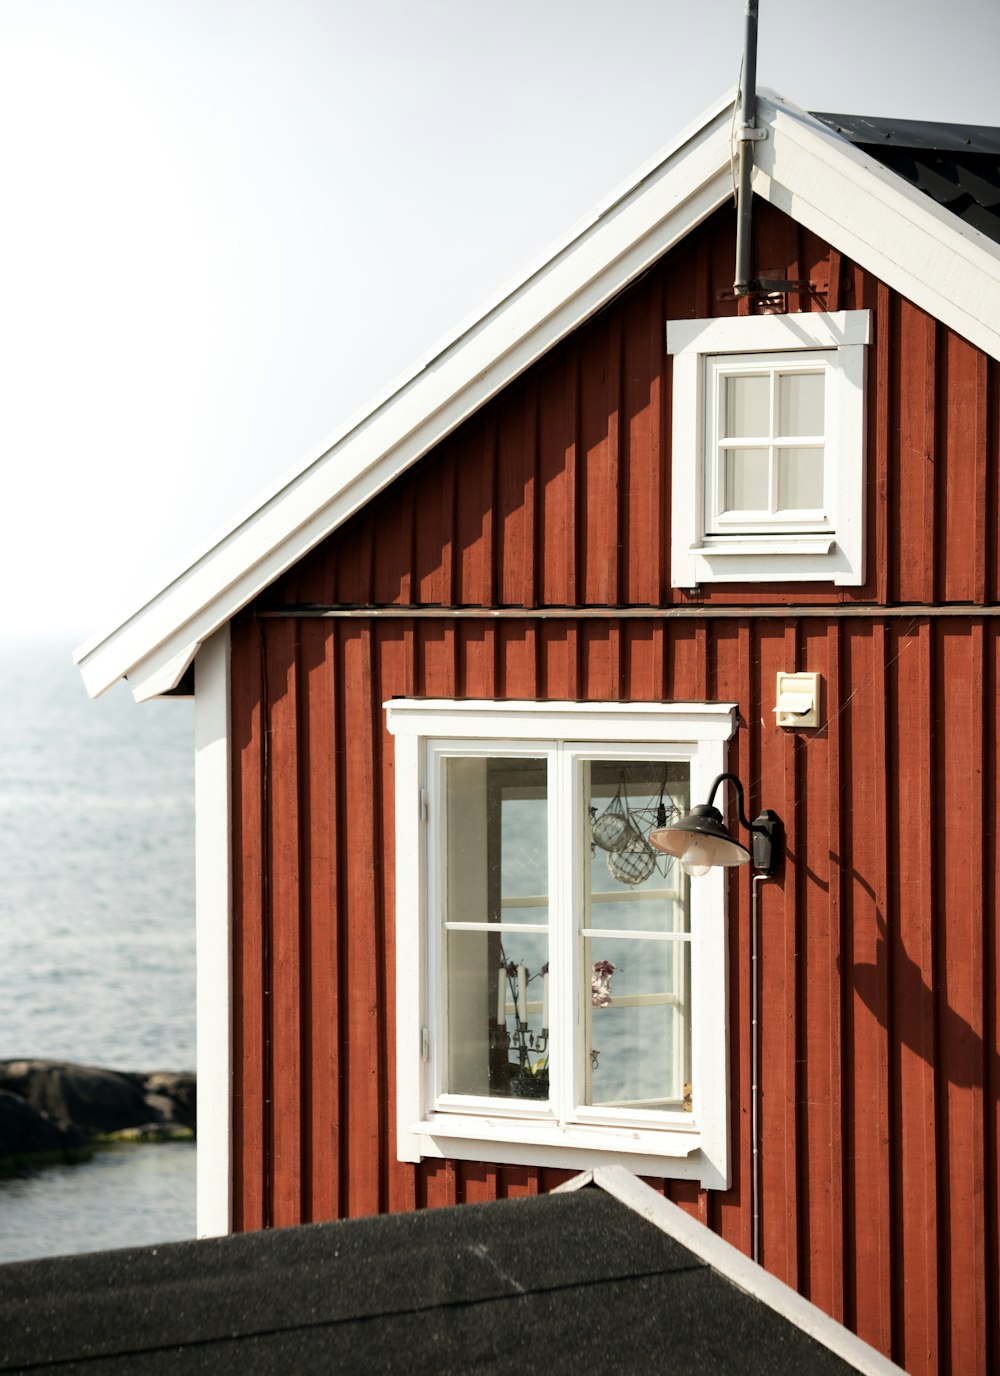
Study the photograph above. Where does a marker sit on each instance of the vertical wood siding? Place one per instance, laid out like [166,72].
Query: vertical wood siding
[880,1078]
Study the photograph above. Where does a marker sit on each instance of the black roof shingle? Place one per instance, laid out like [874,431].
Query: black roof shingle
[559,1283]
[957,165]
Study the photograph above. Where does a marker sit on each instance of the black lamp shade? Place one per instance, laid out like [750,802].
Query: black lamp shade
[700,840]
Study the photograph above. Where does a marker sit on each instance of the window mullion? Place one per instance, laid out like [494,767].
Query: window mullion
[436,1015]
[563,827]
[772,469]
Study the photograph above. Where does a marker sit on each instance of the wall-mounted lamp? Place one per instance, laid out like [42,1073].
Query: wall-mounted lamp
[700,841]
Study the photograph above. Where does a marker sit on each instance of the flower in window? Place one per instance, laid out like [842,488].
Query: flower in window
[600,983]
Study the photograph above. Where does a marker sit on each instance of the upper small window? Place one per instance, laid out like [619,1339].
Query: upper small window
[768,448]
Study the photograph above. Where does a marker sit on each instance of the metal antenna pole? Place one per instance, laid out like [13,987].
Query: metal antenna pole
[746,135]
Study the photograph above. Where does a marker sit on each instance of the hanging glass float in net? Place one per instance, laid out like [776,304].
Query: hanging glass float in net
[613,829]
[634,862]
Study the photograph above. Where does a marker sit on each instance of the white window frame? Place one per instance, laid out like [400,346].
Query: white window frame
[720,520]
[691,1146]
[756,551]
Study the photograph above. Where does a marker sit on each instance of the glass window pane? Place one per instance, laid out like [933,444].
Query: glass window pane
[800,479]
[635,991]
[496,840]
[631,793]
[747,480]
[637,1015]
[800,403]
[496,871]
[497,1011]
[747,406]
[658,905]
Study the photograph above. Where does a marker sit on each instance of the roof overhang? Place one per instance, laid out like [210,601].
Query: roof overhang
[802,167]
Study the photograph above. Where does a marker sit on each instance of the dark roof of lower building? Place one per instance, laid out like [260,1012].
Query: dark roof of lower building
[558,1283]
[957,165]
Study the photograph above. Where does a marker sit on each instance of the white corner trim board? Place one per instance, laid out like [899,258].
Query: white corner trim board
[212,934]
[721,1256]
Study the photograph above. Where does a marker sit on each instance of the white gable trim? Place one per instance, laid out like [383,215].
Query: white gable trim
[686,185]
[715,1252]
[878,220]
[802,167]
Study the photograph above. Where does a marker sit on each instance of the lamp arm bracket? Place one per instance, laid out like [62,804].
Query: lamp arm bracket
[767,830]
[740,810]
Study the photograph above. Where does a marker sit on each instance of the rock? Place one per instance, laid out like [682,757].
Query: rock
[99,1101]
[95,1100]
[25,1132]
[180,1089]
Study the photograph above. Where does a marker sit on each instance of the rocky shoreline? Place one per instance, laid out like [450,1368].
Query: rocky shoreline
[52,1111]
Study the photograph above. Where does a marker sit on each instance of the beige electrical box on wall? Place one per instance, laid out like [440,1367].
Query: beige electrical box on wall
[797,700]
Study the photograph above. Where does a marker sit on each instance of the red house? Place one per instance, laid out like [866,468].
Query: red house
[625,534]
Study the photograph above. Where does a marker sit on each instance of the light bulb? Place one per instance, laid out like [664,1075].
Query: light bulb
[696,860]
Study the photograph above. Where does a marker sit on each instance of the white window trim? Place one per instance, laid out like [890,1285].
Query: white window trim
[758,556]
[722,521]
[699,1152]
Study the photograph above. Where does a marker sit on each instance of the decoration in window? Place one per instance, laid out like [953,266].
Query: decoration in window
[624,833]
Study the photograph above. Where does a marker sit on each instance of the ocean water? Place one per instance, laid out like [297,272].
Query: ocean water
[97,931]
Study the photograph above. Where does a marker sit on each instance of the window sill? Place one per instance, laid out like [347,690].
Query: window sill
[731,546]
[676,1153]
[768,559]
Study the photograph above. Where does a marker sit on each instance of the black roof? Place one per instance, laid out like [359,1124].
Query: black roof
[957,165]
[559,1283]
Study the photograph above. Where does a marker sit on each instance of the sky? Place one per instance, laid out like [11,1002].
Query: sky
[228,224]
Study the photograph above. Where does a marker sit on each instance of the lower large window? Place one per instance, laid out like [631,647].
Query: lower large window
[560,985]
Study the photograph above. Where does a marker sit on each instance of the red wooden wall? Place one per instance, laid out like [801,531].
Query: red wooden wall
[881,1076]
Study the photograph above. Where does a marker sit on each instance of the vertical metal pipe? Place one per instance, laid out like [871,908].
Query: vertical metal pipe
[755,1065]
[748,117]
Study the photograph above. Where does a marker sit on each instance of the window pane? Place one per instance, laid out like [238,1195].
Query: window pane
[800,479]
[747,481]
[632,791]
[637,1016]
[800,403]
[496,871]
[496,1035]
[496,840]
[634,990]
[747,406]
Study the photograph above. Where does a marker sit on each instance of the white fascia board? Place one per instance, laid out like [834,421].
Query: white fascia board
[640,224]
[880,221]
[721,1256]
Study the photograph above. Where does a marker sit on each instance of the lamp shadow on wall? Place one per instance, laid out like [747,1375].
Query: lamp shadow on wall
[917,1016]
